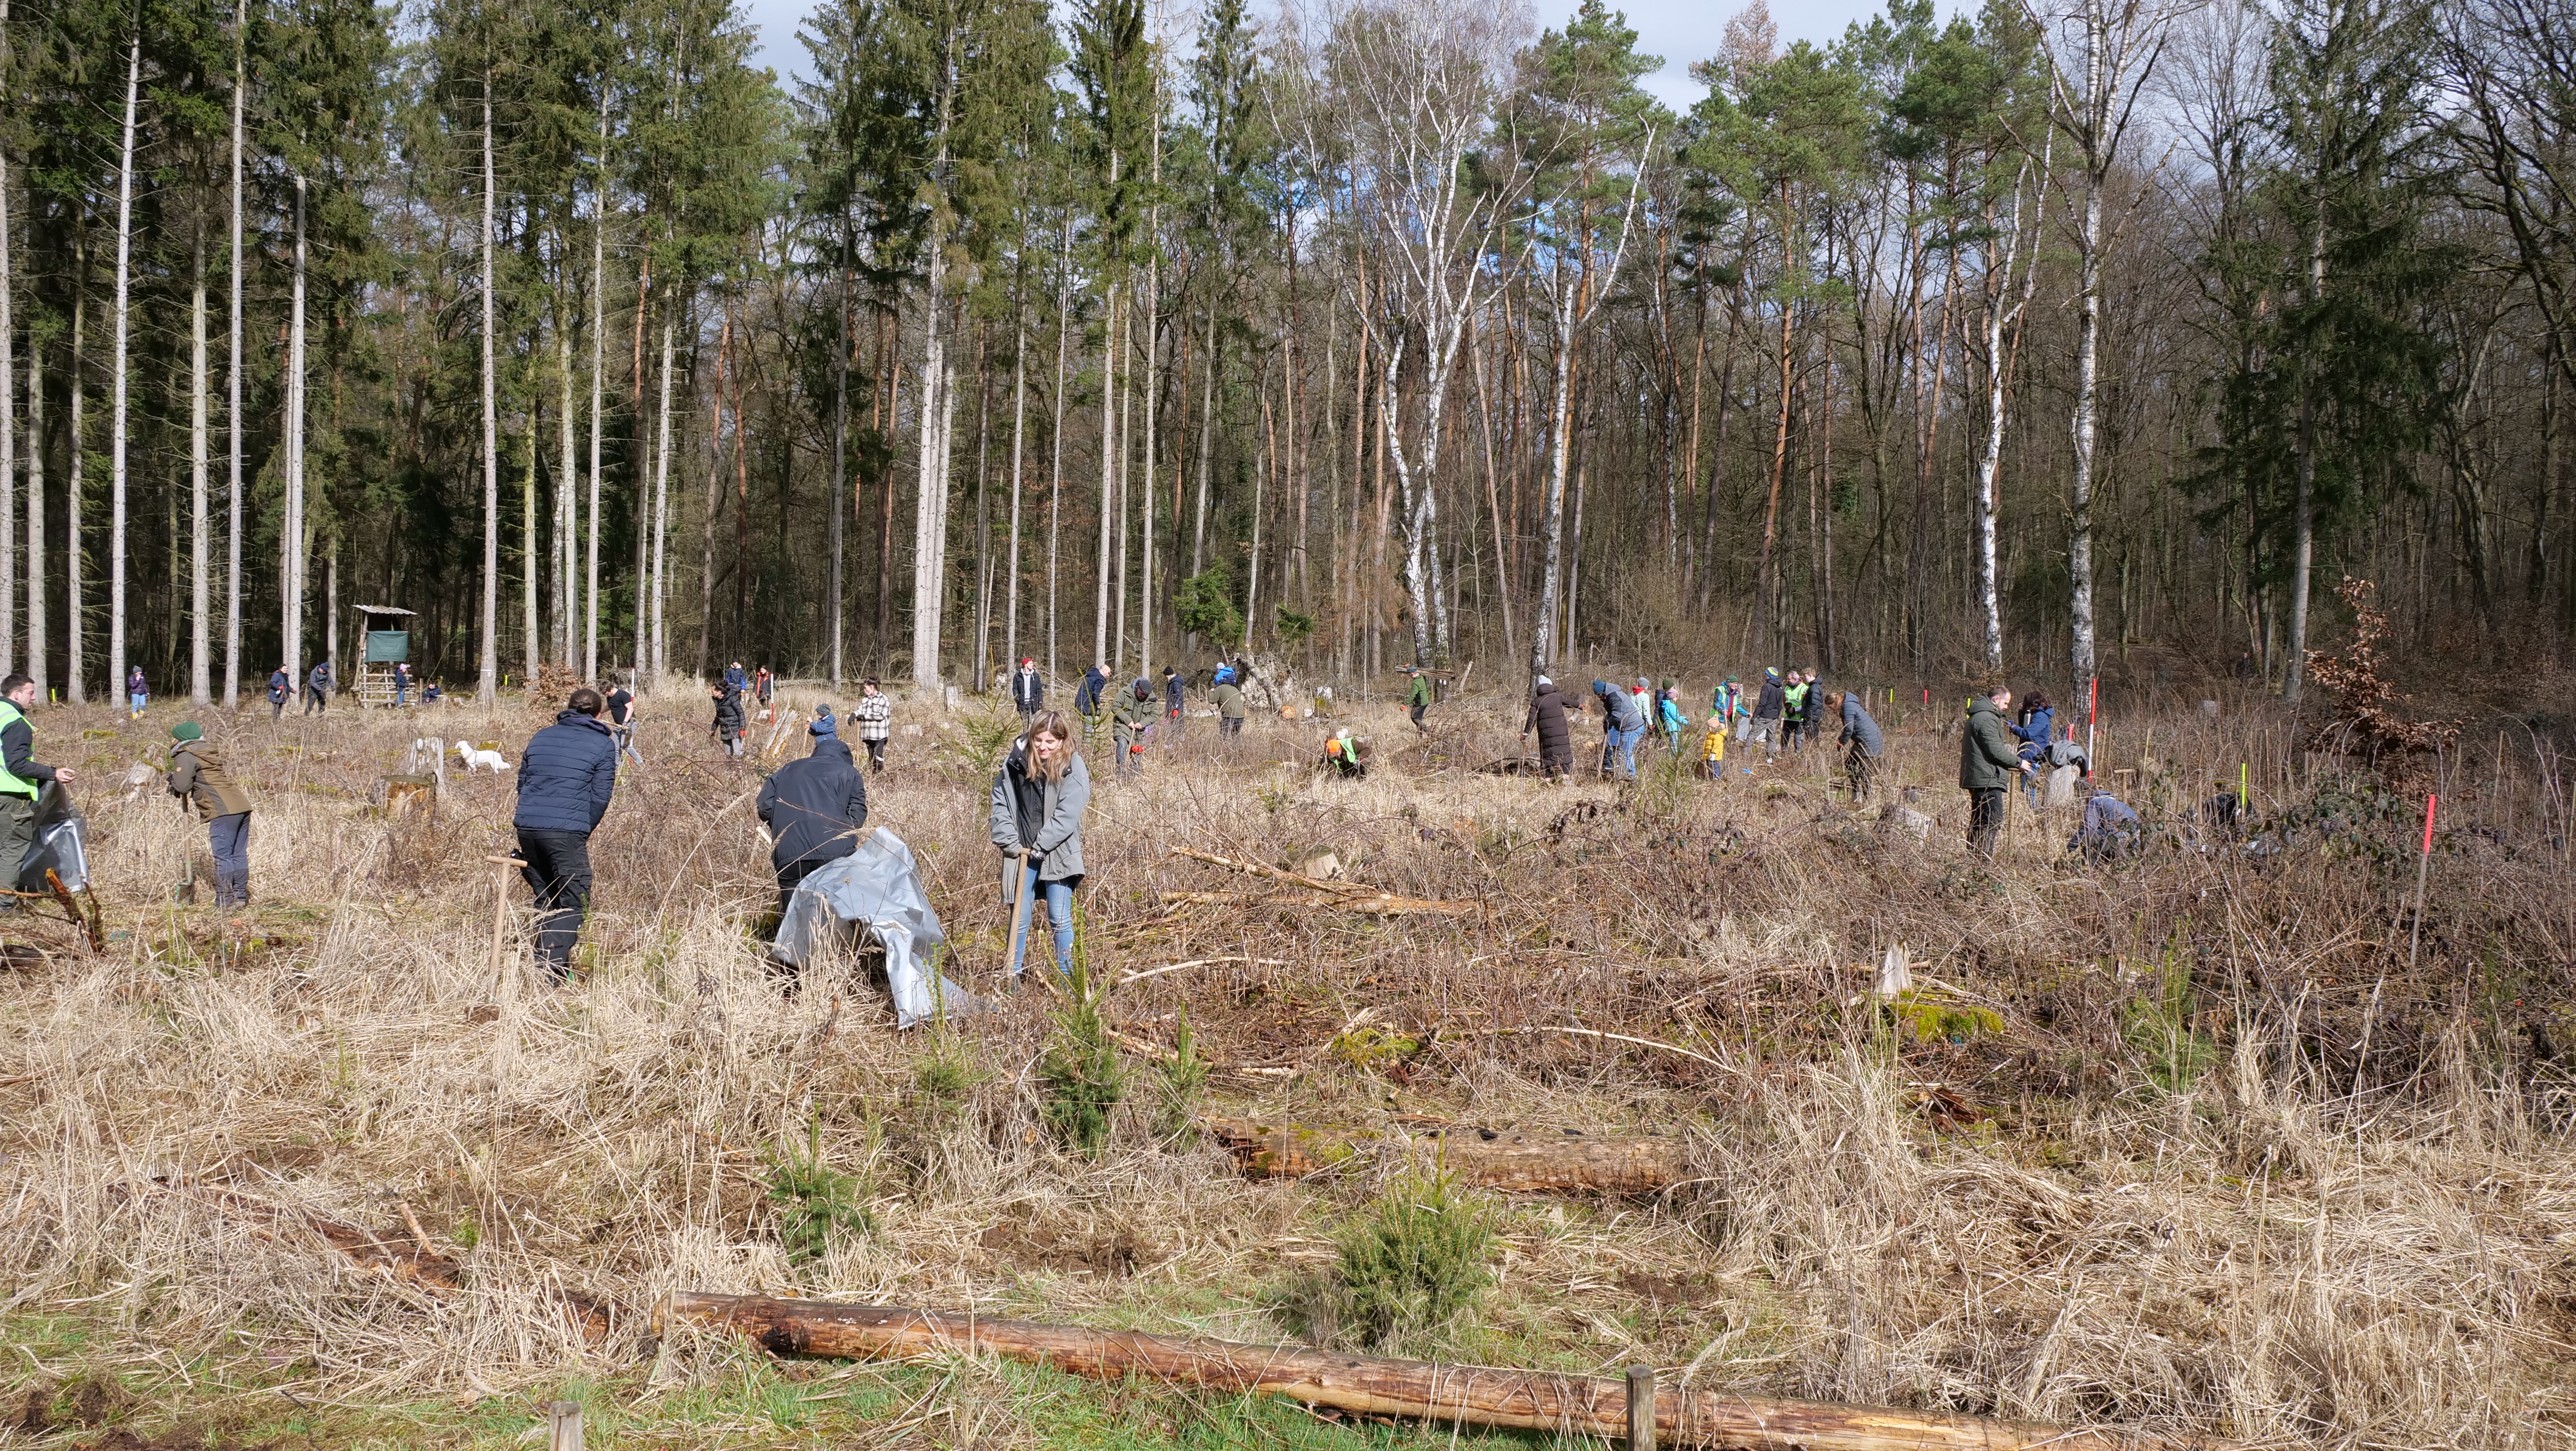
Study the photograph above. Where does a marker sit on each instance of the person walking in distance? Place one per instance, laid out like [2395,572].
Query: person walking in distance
[280,686]
[623,717]
[1174,684]
[1039,796]
[1987,760]
[22,779]
[198,778]
[875,715]
[1028,689]
[566,777]
[317,687]
[813,808]
[402,684]
[1417,700]
[1555,737]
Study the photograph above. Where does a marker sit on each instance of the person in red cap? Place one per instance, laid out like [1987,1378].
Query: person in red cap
[1028,688]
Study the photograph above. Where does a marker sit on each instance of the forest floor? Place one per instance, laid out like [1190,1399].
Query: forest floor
[2182,1145]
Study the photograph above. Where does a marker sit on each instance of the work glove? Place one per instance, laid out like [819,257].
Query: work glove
[1015,850]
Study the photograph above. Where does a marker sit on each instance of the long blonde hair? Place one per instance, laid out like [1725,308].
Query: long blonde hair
[1053,723]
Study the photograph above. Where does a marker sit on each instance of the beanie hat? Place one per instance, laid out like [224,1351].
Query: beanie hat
[823,724]
[187,730]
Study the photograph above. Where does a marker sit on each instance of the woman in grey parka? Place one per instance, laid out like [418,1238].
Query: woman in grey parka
[1039,796]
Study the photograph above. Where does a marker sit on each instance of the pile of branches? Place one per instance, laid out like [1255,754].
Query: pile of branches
[2369,720]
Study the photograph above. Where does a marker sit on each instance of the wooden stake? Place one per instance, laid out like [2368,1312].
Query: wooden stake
[1563,1405]
[563,1426]
[2423,864]
[1641,1408]
[501,907]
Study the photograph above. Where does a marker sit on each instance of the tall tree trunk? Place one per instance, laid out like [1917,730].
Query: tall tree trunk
[1560,445]
[1764,567]
[1019,432]
[1055,429]
[200,542]
[2088,331]
[1207,449]
[532,638]
[118,383]
[75,685]
[598,394]
[930,508]
[1109,505]
[840,460]
[488,681]
[639,665]
[660,663]
[233,374]
[2303,509]
[36,625]
[8,399]
[567,511]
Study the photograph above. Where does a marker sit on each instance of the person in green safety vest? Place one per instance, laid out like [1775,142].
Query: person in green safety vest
[22,777]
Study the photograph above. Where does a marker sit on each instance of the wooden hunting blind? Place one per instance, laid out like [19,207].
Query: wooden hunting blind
[384,633]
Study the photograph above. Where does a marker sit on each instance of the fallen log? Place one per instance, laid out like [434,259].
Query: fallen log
[1568,1405]
[1526,1163]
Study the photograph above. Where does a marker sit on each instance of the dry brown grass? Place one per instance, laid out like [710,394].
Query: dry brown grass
[2225,1168]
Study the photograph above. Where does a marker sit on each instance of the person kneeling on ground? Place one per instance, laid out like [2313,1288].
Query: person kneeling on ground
[2110,829]
[566,777]
[1346,755]
[1865,745]
[198,778]
[813,808]
[22,779]
[1039,796]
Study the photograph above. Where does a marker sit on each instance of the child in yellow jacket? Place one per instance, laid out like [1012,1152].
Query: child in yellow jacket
[1712,749]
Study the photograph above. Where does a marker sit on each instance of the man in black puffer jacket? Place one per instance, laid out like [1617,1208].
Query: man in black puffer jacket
[813,808]
[566,777]
[1555,739]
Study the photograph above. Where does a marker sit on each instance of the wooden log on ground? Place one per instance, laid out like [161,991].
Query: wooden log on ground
[1530,1163]
[1568,1405]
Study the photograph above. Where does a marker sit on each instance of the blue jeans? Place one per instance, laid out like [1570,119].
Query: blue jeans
[402,694]
[137,701]
[229,836]
[1059,904]
[1619,751]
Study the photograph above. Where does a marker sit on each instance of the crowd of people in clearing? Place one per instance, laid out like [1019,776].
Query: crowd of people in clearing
[814,810]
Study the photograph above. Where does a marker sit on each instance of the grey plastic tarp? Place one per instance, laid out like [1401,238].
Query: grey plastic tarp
[876,890]
[62,843]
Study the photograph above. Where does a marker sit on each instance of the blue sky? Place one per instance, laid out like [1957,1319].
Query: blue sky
[1681,31]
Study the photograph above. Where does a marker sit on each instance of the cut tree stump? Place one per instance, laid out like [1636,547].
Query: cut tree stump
[1530,1163]
[1567,1405]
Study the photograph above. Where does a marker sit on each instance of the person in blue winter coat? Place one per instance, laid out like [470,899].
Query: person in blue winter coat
[566,777]
[814,808]
[1623,725]
[1086,696]
[2034,726]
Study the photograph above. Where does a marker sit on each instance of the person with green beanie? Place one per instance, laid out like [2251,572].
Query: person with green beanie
[198,778]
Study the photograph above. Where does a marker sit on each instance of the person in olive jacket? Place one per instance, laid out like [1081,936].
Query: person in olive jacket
[1231,711]
[1555,740]
[1132,718]
[1039,796]
[813,808]
[566,777]
[1988,757]
[198,778]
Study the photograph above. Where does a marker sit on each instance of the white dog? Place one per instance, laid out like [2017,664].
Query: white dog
[480,760]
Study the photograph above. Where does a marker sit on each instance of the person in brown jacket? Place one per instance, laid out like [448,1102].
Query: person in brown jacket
[199,780]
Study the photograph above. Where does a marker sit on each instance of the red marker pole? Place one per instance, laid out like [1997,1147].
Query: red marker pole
[2423,862]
